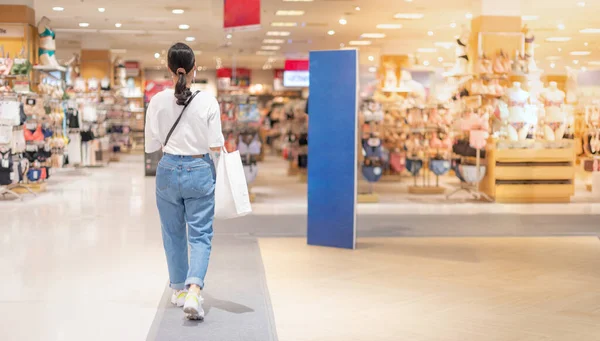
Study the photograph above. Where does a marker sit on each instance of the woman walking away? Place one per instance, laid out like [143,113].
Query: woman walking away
[188,129]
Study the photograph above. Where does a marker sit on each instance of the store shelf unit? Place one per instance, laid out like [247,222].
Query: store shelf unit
[533,175]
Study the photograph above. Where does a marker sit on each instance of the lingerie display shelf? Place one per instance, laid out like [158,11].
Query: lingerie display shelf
[538,173]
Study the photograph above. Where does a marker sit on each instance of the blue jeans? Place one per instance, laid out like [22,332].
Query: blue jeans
[185,193]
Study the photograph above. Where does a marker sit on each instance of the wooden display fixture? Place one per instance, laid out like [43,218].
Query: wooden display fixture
[367,198]
[426,190]
[35,187]
[532,175]
[391,178]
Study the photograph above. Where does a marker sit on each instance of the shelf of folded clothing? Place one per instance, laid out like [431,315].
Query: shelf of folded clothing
[540,173]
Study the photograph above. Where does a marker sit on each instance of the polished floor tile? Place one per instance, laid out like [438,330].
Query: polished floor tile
[436,289]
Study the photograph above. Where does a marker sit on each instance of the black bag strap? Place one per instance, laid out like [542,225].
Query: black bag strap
[179,118]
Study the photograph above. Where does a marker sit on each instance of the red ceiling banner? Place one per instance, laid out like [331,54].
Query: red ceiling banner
[296,65]
[241,15]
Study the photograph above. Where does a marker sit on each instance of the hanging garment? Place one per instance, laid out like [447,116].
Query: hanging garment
[16,171]
[397,162]
[73,118]
[34,174]
[35,135]
[6,162]
[89,113]
[372,173]
[87,136]
[74,149]
[5,177]
[439,167]
[414,166]
[22,115]
[303,161]
[18,140]
[6,134]
[10,113]
[469,173]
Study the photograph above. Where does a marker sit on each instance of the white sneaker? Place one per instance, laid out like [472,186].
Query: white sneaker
[193,306]
[178,297]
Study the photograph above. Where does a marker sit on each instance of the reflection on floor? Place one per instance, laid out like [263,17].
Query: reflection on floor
[435,289]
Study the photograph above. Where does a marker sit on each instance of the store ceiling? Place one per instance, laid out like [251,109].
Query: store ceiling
[150,27]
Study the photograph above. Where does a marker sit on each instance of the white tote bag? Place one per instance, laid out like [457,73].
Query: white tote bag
[231,191]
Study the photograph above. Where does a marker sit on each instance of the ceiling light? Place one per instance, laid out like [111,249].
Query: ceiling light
[343,21]
[190,38]
[58,9]
[530,17]
[440,59]
[445,44]
[289,13]
[583,68]
[560,49]
[575,62]
[427,50]
[229,36]
[389,26]
[371,58]
[157,55]
[430,33]
[278,33]
[284,24]
[331,32]
[177,11]
[359,42]
[271,47]
[184,27]
[426,63]
[408,0]
[84,24]
[586,43]
[552,65]
[117,25]
[590,31]
[561,27]
[273,41]
[558,39]
[594,62]
[409,16]
[580,53]
[581,4]
[357,8]
[453,25]
[373,35]
[101,9]
[372,69]
[469,16]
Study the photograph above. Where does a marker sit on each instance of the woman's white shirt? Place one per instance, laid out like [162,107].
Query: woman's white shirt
[198,130]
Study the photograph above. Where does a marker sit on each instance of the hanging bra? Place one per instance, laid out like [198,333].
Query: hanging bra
[36,135]
[6,160]
[34,175]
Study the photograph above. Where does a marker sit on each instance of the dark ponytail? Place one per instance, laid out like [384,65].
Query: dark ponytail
[181,62]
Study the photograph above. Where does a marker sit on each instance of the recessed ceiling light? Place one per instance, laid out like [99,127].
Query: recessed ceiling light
[157,55]
[581,4]
[558,39]
[409,16]
[284,24]
[440,59]
[575,62]
[273,41]
[177,11]
[343,21]
[101,9]
[583,68]
[427,50]
[278,33]
[469,16]
[289,13]
[445,44]
[58,9]
[590,31]
[586,43]
[426,63]
[373,35]
[453,25]
[580,53]
[184,27]
[560,49]
[530,17]
[371,58]
[84,24]
[372,69]
[359,42]
[229,36]
[331,32]
[265,53]
[430,33]
[271,47]
[357,8]
[117,25]
[561,27]
[552,65]
[190,38]
[389,26]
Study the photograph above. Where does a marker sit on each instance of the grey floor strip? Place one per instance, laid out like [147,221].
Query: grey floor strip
[237,302]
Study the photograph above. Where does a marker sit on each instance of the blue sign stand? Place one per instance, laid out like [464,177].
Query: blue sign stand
[332,148]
